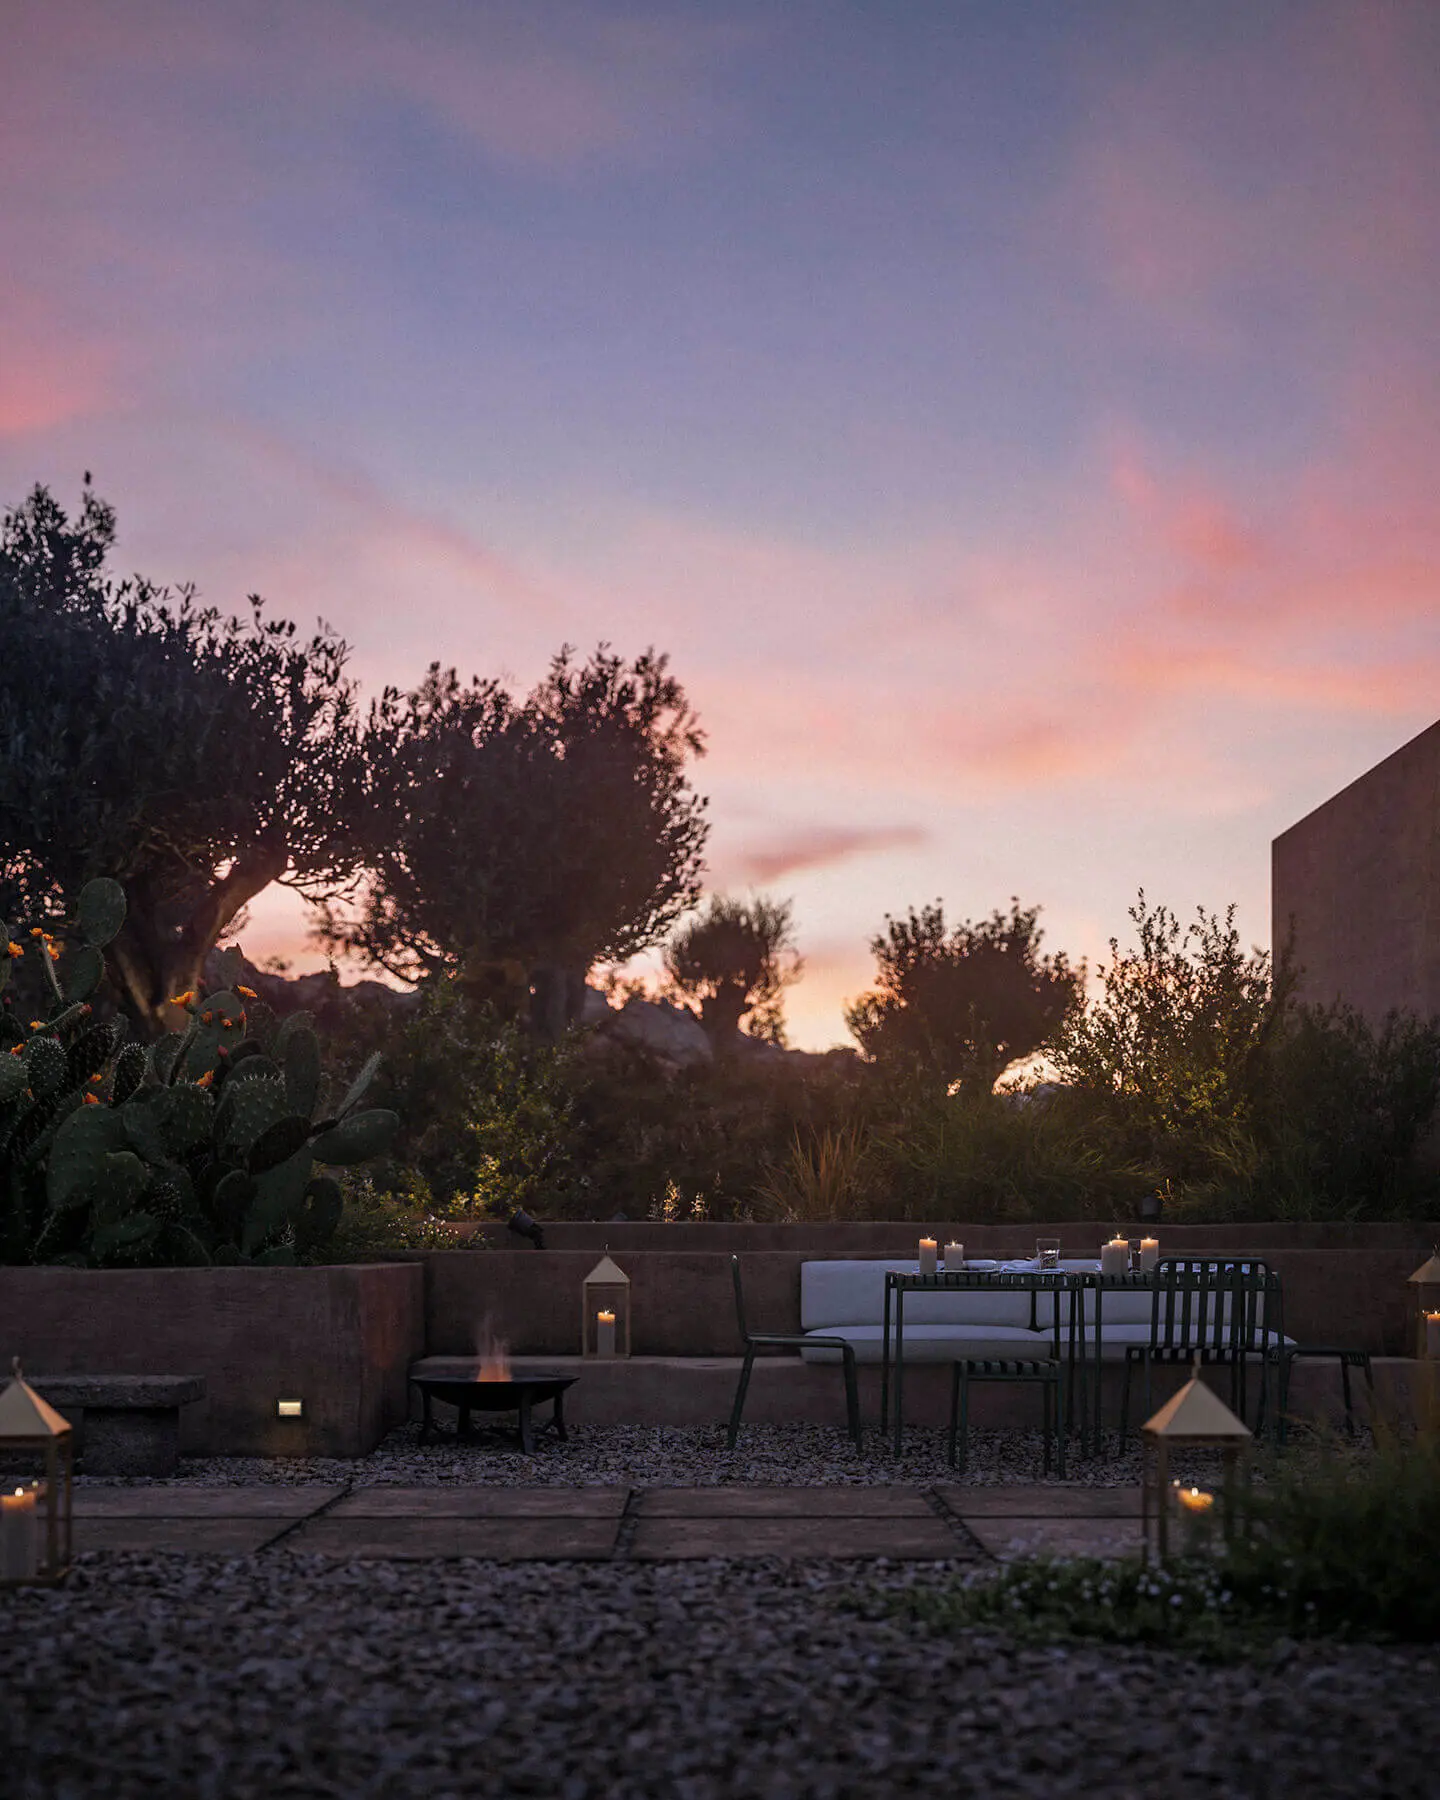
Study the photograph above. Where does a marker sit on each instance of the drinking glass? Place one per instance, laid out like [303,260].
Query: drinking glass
[1047,1252]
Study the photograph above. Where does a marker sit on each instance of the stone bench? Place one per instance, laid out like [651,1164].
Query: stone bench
[124,1424]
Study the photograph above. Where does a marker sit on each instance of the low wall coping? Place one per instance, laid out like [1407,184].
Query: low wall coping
[117,1393]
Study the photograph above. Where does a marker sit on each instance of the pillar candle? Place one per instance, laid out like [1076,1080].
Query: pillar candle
[605,1334]
[954,1255]
[1432,1334]
[1115,1257]
[929,1251]
[1149,1253]
[18,1543]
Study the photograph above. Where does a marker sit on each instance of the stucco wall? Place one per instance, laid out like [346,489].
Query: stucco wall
[340,1339]
[1360,876]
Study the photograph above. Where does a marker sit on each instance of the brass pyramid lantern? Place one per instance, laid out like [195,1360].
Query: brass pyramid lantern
[1426,1283]
[1194,1419]
[35,1513]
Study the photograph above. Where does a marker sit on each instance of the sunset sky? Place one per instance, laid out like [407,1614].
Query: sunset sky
[1018,419]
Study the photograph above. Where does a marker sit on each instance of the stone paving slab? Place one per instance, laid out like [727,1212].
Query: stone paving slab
[1006,1539]
[1033,1502]
[172,1501]
[927,1539]
[783,1502]
[482,1503]
[498,1539]
[216,1536]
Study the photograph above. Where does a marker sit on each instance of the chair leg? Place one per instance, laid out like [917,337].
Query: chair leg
[1349,1398]
[852,1397]
[1046,1398]
[1061,1428]
[954,1407]
[1125,1399]
[739,1406]
[964,1417]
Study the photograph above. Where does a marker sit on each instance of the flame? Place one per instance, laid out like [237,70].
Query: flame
[494,1359]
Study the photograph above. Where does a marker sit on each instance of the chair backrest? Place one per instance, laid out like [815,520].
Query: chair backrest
[739,1298]
[1215,1303]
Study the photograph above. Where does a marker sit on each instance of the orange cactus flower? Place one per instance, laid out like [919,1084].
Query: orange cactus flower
[183,999]
[51,951]
[92,1099]
[95,1080]
[14,948]
[16,1049]
[249,993]
[206,1078]
[35,931]
[205,1018]
[37,1024]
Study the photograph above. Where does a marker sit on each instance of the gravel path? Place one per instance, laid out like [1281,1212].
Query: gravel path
[152,1676]
[672,1456]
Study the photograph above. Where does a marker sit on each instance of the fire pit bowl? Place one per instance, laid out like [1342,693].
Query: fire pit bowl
[515,1393]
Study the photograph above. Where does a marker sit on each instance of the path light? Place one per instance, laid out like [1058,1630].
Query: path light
[605,1311]
[1196,1419]
[35,1511]
[1426,1284]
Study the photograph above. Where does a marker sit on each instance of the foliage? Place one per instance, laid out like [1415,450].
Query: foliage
[736,958]
[1346,1551]
[825,1174]
[975,1154]
[201,1148]
[963,1005]
[1181,1031]
[143,738]
[1345,1112]
[514,837]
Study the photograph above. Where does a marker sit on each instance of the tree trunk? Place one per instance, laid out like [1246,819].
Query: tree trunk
[557,999]
[156,956]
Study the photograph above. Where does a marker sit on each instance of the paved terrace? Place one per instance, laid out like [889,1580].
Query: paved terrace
[610,1524]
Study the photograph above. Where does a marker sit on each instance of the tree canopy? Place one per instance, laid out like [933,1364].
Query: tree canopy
[963,1004]
[1183,1023]
[194,758]
[736,959]
[521,842]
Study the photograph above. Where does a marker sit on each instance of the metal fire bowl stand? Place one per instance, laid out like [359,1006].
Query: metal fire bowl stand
[519,1394]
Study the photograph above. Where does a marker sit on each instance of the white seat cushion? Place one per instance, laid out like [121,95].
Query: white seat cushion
[935,1343]
[853,1293]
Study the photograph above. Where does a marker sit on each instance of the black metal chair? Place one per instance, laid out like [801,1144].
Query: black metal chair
[1346,1359]
[1226,1311]
[791,1340]
[1046,1372]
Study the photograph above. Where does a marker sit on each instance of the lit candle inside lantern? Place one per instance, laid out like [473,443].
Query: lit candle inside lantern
[1432,1335]
[954,1255]
[929,1254]
[19,1559]
[605,1334]
[1194,1500]
[1115,1257]
[1149,1253]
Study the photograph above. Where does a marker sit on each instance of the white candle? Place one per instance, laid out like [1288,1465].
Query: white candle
[954,1255]
[1115,1257]
[18,1543]
[1432,1335]
[929,1252]
[1149,1253]
[605,1334]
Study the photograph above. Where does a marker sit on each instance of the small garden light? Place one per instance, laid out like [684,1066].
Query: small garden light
[35,1514]
[1195,1419]
[290,1409]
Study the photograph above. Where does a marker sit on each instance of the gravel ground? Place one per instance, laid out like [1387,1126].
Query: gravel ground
[672,1456]
[158,1675]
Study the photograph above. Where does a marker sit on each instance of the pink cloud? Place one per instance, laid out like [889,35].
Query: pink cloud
[820,846]
[48,373]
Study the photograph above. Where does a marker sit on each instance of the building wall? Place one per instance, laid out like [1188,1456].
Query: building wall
[1360,877]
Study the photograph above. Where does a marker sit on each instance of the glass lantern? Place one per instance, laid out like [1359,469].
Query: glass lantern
[1425,1283]
[35,1509]
[605,1311]
[1196,1419]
